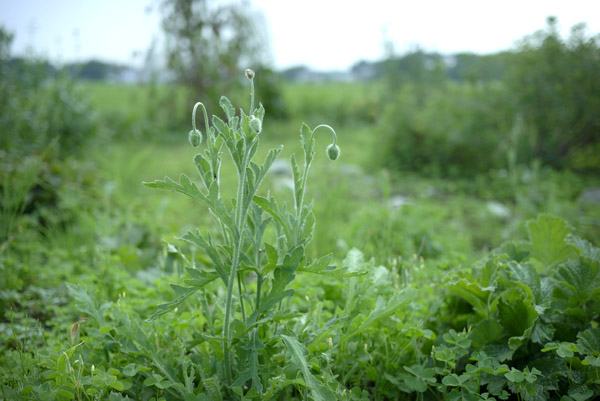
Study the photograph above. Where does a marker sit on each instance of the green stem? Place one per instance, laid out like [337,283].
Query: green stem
[240,217]
[259,281]
[239,280]
[308,157]
[251,96]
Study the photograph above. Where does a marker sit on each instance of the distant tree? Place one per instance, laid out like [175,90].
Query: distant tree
[96,70]
[208,43]
[556,83]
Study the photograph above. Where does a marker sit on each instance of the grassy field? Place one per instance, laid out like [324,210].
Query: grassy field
[422,294]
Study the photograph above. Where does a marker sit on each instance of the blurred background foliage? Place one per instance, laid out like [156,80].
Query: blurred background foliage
[537,102]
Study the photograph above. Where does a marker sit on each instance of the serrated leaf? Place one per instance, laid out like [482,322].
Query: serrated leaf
[548,236]
[260,112]
[203,167]
[542,332]
[195,237]
[272,254]
[271,207]
[187,187]
[578,282]
[586,248]
[227,107]
[182,294]
[85,302]
[281,278]
[485,332]
[199,278]
[581,393]
[306,140]
[516,312]
[382,310]
[588,341]
[473,293]
[220,125]
[296,351]
[525,275]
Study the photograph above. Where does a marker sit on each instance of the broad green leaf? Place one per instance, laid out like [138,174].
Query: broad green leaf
[130,370]
[578,282]
[296,351]
[451,380]
[426,375]
[476,295]
[65,394]
[581,393]
[515,376]
[525,275]
[542,332]
[548,236]
[586,248]
[485,332]
[588,341]
[409,383]
[516,312]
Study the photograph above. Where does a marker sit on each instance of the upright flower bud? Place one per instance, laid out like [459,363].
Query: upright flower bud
[195,138]
[249,73]
[333,152]
[255,124]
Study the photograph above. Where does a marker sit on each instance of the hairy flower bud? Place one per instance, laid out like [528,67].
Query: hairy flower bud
[333,152]
[249,73]
[195,138]
[255,124]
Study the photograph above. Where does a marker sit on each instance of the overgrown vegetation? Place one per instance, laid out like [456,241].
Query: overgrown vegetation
[392,285]
[536,103]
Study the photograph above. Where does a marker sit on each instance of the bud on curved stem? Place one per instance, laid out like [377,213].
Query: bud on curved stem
[333,151]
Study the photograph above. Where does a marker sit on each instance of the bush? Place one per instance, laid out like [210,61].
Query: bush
[556,85]
[457,129]
[39,109]
[543,108]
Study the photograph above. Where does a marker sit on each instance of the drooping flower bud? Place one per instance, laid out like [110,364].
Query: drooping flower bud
[333,152]
[255,124]
[249,73]
[195,138]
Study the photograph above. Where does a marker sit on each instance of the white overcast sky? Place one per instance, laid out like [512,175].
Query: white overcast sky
[323,34]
